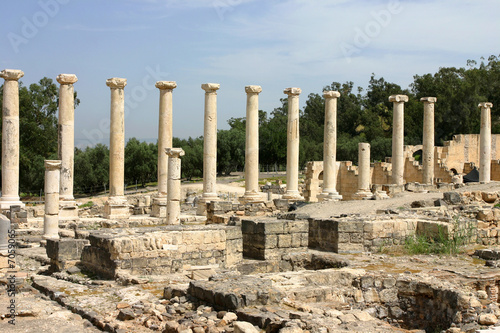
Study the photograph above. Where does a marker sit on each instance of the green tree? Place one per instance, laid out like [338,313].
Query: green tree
[140,162]
[91,169]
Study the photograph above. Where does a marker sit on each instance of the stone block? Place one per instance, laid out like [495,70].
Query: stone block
[350,226]
[65,249]
[284,241]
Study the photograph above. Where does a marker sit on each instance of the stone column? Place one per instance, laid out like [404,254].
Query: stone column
[174,185]
[330,148]
[364,172]
[10,139]
[428,140]
[485,143]
[52,184]
[66,145]
[116,206]
[252,146]
[4,236]
[292,150]
[209,147]
[398,162]
[159,208]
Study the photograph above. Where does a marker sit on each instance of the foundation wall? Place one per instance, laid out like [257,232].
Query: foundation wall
[272,239]
[156,251]
[350,235]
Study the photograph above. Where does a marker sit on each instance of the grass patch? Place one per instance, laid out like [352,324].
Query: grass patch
[272,180]
[447,241]
[87,204]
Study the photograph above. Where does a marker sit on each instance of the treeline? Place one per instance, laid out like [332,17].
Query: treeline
[364,115]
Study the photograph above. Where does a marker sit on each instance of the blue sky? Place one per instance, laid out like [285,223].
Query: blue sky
[275,44]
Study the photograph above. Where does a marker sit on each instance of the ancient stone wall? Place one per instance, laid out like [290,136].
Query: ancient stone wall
[460,154]
[164,250]
[348,235]
[271,239]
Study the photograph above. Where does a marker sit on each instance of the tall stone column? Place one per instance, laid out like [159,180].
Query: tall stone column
[398,162]
[116,206]
[364,172]
[292,149]
[52,184]
[174,185]
[68,208]
[159,208]
[252,146]
[428,140]
[10,139]
[330,148]
[485,143]
[209,147]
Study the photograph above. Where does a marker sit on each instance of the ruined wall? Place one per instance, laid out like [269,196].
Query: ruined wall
[465,148]
[155,251]
[347,235]
[271,239]
[460,154]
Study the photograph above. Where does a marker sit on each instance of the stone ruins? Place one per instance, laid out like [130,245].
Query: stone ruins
[268,260]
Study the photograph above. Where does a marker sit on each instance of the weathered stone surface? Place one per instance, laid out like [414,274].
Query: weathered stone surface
[452,198]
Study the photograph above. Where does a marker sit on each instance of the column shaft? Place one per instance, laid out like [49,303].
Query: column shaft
[292,158]
[10,138]
[364,172]
[164,133]
[252,144]
[485,143]
[66,142]
[117,140]
[174,185]
[116,206]
[398,163]
[210,142]
[330,148]
[52,184]
[428,141]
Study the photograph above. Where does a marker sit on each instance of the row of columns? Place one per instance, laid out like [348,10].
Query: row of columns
[116,206]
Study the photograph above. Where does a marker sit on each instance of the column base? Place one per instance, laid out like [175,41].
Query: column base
[380,195]
[363,195]
[159,207]
[293,196]
[329,196]
[116,208]
[68,210]
[5,204]
[252,197]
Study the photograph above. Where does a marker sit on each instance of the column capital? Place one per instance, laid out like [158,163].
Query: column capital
[166,85]
[331,94]
[66,78]
[174,152]
[116,82]
[398,98]
[210,87]
[253,89]
[485,105]
[428,99]
[52,165]
[292,91]
[11,74]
